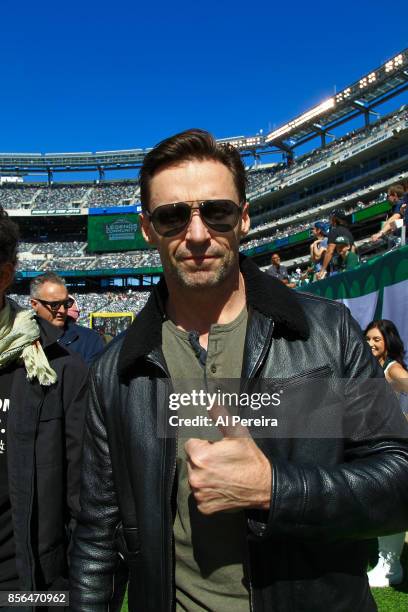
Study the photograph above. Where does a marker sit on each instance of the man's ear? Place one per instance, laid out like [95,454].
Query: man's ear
[34,304]
[245,220]
[147,229]
[6,276]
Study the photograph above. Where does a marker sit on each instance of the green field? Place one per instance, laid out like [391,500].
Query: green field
[388,600]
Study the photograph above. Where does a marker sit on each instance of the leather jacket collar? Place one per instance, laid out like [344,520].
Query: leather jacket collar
[265,294]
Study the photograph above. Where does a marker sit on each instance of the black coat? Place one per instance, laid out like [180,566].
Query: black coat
[44,439]
[308,553]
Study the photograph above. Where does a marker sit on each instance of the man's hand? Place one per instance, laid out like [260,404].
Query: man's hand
[230,474]
[322,274]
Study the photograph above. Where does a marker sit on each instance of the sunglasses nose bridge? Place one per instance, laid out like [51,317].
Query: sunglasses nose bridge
[196,229]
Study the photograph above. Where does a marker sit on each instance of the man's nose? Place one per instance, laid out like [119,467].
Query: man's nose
[197,231]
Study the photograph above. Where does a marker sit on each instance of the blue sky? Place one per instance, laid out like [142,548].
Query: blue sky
[86,76]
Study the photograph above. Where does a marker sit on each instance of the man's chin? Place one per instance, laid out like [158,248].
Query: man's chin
[58,323]
[200,279]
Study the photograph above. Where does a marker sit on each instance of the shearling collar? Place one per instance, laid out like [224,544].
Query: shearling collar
[264,293]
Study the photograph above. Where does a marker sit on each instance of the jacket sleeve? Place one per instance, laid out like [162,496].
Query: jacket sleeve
[94,557]
[364,495]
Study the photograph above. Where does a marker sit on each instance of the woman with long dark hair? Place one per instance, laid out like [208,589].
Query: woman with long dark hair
[387,346]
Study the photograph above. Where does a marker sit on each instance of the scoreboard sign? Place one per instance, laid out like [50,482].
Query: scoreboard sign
[119,232]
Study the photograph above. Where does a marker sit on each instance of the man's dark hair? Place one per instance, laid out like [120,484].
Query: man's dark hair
[396,190]
[9,237]
[194,144]
[340,216]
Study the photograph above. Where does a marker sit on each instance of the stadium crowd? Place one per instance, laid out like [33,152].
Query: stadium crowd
[72,248]
[57,255]
[60,196]
[329,203]
[260,180]
[88,303]
[294,228]
[276,178]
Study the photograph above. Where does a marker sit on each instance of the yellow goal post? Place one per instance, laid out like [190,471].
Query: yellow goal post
[110,323]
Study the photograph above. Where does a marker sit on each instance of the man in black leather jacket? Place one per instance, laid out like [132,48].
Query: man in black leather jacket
[308,503]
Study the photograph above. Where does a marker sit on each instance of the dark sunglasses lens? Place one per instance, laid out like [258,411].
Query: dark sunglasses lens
[57,305]
[170,219]
[220,215]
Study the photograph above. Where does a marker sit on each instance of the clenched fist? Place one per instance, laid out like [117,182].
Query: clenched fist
[230,474]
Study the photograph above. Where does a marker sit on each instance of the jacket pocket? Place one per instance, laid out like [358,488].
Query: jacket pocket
[303,377]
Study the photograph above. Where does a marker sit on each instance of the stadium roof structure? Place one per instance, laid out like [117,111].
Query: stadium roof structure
[360,98]
[21,163]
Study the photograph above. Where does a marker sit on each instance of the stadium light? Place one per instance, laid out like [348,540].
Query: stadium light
[394,63]
[313,112]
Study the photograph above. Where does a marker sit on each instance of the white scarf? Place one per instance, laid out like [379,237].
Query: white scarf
[19,338]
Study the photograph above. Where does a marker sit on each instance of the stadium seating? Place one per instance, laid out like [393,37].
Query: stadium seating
[42,197]
[100,302]
[261,180]
[331,152]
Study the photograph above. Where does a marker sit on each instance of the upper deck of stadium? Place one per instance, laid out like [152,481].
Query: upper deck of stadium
[357,99]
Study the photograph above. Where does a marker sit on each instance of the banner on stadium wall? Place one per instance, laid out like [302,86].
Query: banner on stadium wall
[100,272]
[377,289]
[56,211]
[115,232]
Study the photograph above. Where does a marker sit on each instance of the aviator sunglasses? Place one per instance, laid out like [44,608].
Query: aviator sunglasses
[172,219]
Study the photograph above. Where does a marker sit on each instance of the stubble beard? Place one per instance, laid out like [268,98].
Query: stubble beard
[202,279]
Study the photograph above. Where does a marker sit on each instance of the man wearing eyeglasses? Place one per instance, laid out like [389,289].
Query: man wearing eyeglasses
[240,523]
[50,300]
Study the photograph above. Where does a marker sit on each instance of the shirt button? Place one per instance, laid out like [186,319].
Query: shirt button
[213,368]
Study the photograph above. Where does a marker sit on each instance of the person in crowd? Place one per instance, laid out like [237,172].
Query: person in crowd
[346,258]
[339,227]
[73,312]
[42,410]
[278,271]
[253,523]
[386,344]
[399,200]
[50,300]
[319,245]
